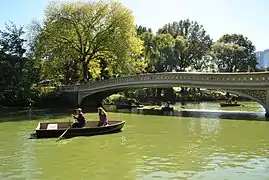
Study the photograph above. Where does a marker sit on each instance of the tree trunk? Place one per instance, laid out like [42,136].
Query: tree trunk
[159,95]
[103,65]
[85,71]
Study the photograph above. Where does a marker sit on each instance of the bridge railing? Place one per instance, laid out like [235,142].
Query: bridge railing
[261,78]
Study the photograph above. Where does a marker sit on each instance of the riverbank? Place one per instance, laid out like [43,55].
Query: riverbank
[151,97]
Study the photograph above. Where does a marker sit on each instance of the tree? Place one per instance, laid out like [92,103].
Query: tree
[234,52]
[16,71]
[227,56]
[192,42]
[87,32]
[162,56]
[140,30]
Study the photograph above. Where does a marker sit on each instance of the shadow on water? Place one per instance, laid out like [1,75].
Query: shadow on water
[43,114]
[229,115]
[250,116]
[10,114]
[32,136]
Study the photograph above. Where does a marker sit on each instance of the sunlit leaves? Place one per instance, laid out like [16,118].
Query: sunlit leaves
[90,31]
[234,52]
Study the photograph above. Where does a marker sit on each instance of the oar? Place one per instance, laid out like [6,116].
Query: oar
[65,131]
[63,134]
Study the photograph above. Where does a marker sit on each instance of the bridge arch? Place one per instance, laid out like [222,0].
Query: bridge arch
[251,85]
[103,93]
[108,93]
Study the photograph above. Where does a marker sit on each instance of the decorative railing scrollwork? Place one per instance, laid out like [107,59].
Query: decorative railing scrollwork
[253,79]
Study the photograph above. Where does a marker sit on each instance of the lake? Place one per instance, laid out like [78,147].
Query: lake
[149,147]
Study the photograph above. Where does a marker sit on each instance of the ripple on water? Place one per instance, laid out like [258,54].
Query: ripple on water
[152,148]
[242,165]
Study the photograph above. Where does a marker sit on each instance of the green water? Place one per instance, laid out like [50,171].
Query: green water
[149,147]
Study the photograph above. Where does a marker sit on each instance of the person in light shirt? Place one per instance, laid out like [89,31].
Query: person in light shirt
[102,117]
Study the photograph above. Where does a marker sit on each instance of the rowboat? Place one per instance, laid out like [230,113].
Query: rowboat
[228,105]
[56,129]
[167,108]
[128,106]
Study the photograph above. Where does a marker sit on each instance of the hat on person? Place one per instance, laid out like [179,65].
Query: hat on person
[78,109]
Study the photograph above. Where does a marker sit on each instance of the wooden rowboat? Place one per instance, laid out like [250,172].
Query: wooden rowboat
[167,109]
[56,129]
[228,105]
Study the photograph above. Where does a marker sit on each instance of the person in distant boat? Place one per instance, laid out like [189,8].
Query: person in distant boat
[102,117]
[229,101]
[79,120]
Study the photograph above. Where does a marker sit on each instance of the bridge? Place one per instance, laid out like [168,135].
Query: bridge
[253,85]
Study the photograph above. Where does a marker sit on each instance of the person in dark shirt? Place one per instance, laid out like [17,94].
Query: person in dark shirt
[79,120]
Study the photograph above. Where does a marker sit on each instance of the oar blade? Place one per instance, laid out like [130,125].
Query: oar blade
[62,134]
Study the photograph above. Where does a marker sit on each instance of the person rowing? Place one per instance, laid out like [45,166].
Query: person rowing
[102,117]
[79,120]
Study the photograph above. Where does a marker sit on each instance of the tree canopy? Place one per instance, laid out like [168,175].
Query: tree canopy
[234,52]
[17,73]
[192,42]
[84,33]
[89,41]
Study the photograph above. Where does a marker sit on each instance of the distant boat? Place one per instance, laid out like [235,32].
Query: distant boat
[128,105]
[56,129]
[229,105]
[46,81]
[167,108]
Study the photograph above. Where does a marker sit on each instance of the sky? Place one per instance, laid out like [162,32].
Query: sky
[247,17]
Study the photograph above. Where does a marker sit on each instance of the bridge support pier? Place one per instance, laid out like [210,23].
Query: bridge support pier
[266,107]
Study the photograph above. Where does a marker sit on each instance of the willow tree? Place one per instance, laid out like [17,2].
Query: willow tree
[85,33]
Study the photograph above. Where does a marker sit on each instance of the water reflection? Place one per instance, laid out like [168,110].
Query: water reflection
[17,153]
[212,110]
[204,125]
[234,115]
[203,149]
[234,166]
[27,157]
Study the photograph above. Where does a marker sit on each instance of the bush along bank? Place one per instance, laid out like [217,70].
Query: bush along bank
[151,96]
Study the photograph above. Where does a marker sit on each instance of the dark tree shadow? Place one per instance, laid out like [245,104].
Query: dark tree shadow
[22,114]
[249,116]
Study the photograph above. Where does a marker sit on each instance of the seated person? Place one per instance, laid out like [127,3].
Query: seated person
[79,120]
[229,100]
[102,117]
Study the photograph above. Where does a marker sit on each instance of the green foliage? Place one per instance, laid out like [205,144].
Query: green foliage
[162,52]
[234,52]
[140,30]
[192,42]
[77,36]
[17,73]
[114,99]
[82,41]
[176,46]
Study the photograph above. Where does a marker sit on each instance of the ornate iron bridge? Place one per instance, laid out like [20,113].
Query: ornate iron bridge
[254,85]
